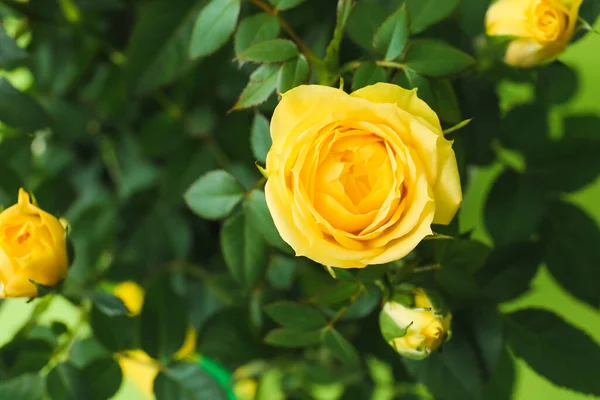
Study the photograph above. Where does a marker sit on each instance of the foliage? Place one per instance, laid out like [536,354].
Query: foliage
[140,122]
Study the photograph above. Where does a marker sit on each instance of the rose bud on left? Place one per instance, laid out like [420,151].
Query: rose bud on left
[33,247]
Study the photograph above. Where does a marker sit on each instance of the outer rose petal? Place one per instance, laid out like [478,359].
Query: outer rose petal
[447,192]
[19,286]
[527,53]
[405,99]
[508,17]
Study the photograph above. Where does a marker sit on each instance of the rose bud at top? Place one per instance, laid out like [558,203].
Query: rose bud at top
[541,28]
[358,179]
[33,247]
[414,327]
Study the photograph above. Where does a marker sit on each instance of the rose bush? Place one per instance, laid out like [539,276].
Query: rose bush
[358,179]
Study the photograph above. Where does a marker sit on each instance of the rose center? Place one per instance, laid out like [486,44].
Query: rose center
[549,22]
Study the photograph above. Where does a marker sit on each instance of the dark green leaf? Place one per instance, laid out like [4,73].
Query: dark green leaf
[340,347]
[338,293]
[214,25]
[157,49]
[163,320]
[214,195]
[99,380]
[436,58]
[10,52]
[281,272]
[114,333]
[452,373]
[295,316]
[556,83]
[109,304]
[367,74]
[270,51]
[509,270]
[253,29]
[364,20]
[243,249]
[285,4]
[185,381]
[486,326]
[547,343]
[84,351]
[572,254]
[293,73]
[392,36]
[25,355]
[292,338]
[23,387]
[514,208]
[424,13]
[260,218]
[261,85]
[445,102]
[260,137]
[502,383]
[19,110]
[464,254]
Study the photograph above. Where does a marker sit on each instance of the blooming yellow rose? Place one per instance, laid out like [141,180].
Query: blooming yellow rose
[32,247]
[542,28]
[358,179]
[416,330]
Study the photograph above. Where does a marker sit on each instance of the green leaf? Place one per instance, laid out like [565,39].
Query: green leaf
[253,29]
[364,20]
[99,380]
[163,320]
[424,13]
[10,52]
[292,338]
[281,272]
[185,381]
[84,351]
[260,137]
[509,270]
[368,73]
[214,25]
[262,84]
[19,110]
[214,195]
[392,36]
[25,355]
[293,73]
[295,316]
[109,304]
[260,218]
[572,253]
[157,49]
[487,330]
[285,4]
[332,53]
[457,362]
[514,208]
[270,51]
[547,343]
[243,249]
[556,83]
[114,333]
[340,347]
[436,58]
[502,382]
[341,291]
[23,387]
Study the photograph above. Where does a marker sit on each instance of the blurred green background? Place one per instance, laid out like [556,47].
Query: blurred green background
[582,56]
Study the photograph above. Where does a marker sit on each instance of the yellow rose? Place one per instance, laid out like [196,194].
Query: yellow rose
[358,179]
[542,28]
[416,330]
[32,247]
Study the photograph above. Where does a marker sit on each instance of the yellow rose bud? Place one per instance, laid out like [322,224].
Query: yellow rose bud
[414,330]
[358,179]
[32,247]
[136,365]
[542,28]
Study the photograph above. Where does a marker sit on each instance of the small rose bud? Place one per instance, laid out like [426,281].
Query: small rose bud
[413,324]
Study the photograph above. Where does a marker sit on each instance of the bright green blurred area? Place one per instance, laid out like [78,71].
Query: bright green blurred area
[583,56]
